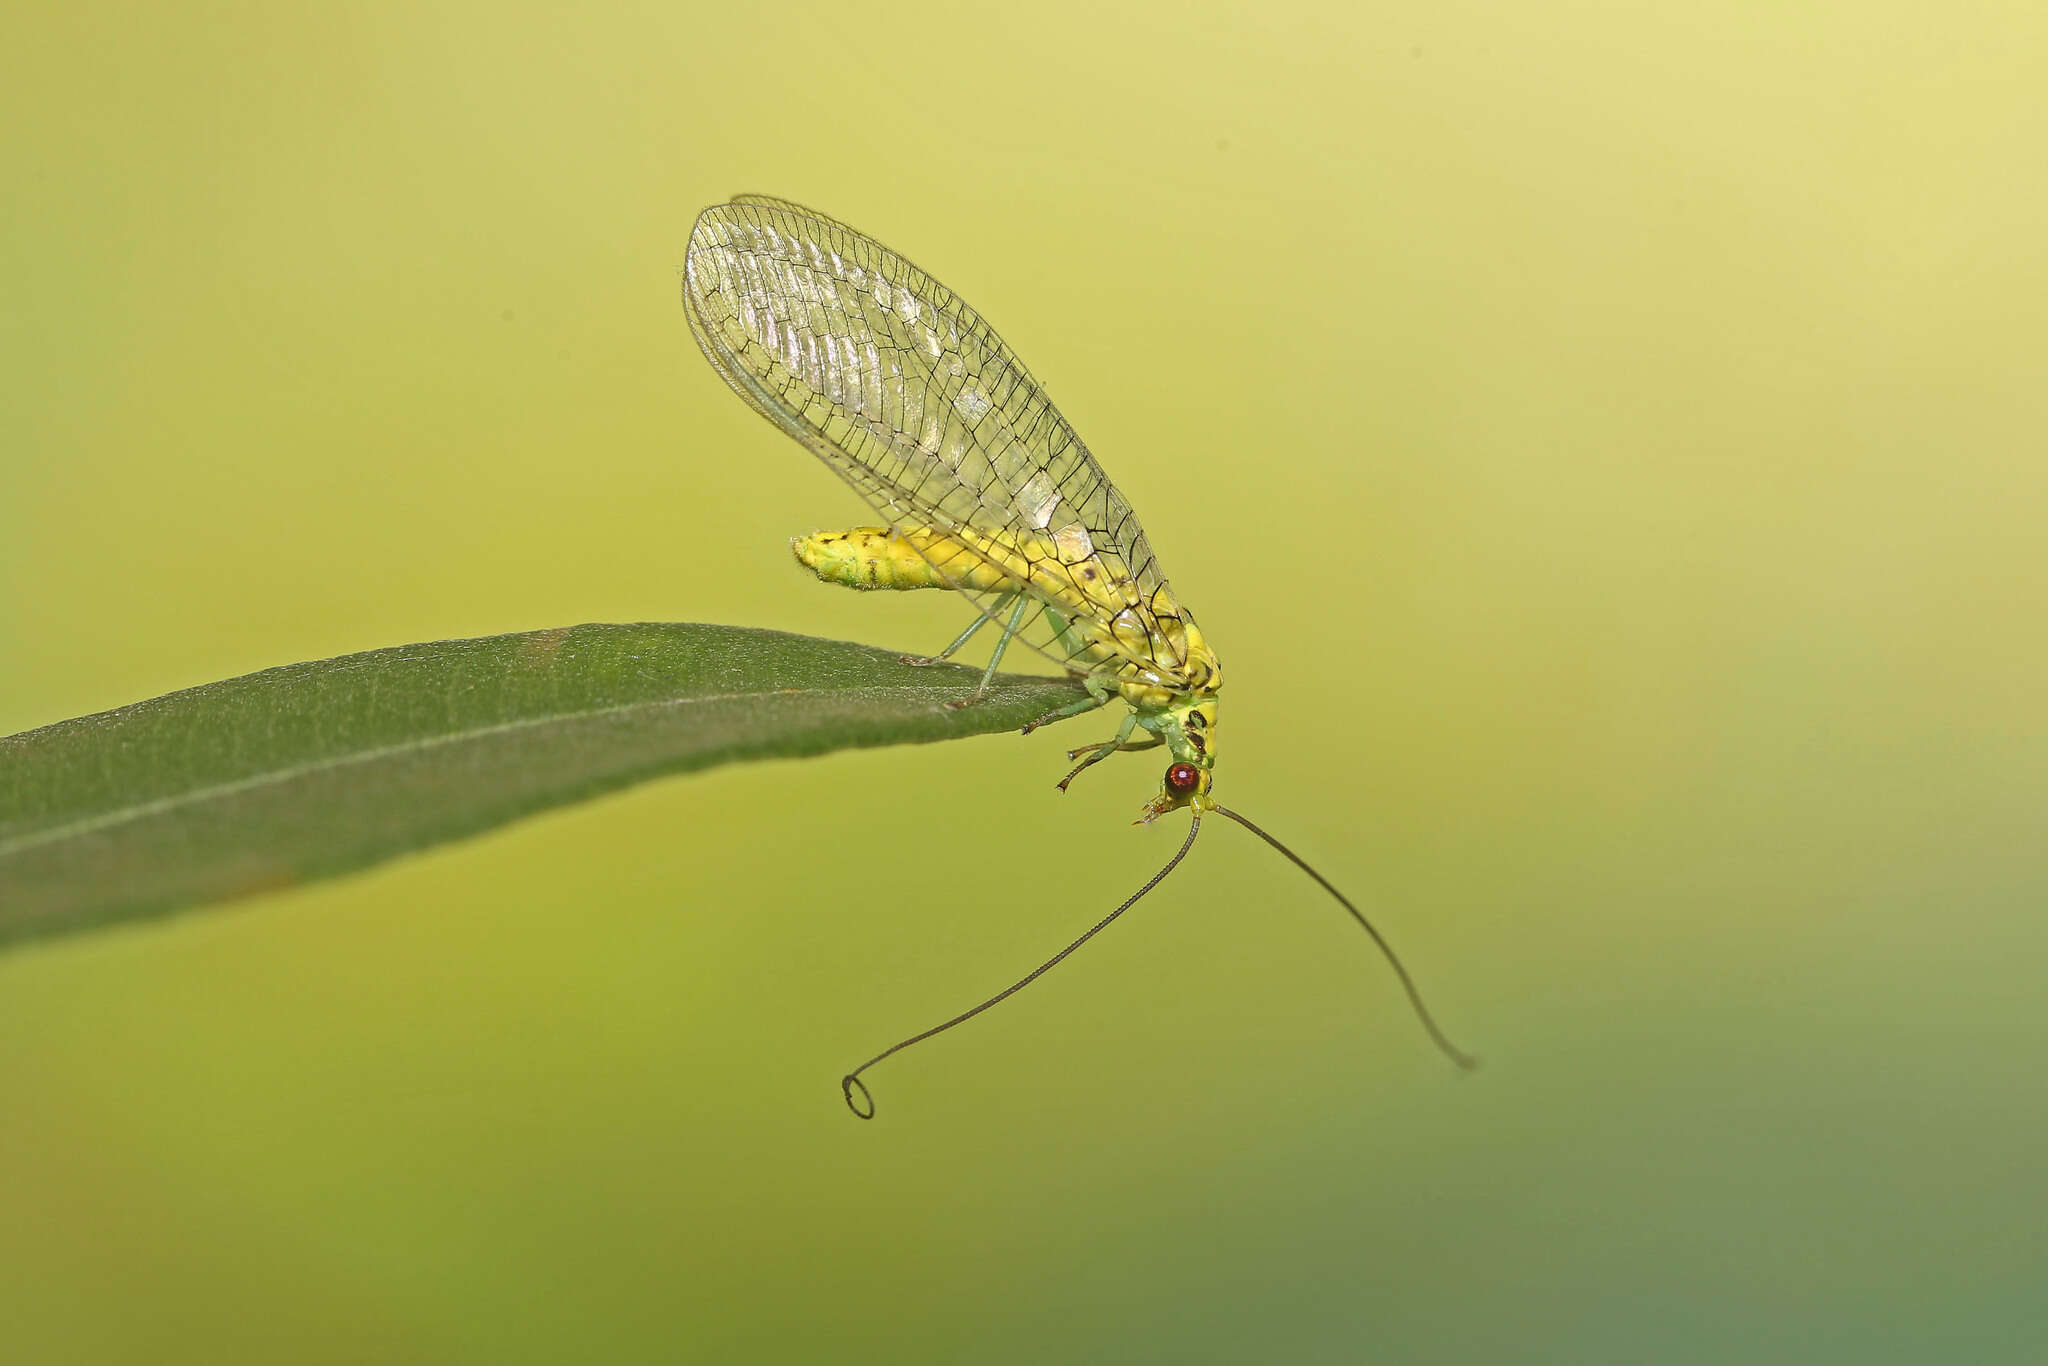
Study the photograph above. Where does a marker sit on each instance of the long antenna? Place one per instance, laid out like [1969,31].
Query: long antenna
[851,1082]
[1450,1050]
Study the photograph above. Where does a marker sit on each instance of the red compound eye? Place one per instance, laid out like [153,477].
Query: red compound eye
[1183,778]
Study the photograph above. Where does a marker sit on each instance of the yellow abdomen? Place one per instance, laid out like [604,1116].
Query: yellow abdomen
[875,557]
[1149,641]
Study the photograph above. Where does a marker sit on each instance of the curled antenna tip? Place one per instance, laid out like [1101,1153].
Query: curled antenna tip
[851,1082]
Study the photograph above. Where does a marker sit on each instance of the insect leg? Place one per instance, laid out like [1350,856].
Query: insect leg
[1120,745]
[1099,692]
[919,661]
[1010,628]
[1102,750]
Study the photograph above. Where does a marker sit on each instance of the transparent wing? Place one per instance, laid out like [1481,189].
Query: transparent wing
[886,376]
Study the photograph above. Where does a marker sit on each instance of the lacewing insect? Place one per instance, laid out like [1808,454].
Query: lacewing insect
[981,488]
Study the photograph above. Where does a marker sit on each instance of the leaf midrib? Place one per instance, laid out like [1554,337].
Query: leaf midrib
[144,810]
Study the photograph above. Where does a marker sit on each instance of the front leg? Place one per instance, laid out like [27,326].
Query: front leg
[1117,747]
[1098,752]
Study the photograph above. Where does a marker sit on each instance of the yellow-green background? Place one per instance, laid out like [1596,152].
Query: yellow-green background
[1604,441]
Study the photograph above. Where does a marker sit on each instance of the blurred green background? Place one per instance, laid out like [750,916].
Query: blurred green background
[1604,443]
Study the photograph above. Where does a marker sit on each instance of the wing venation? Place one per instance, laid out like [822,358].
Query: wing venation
[911,397]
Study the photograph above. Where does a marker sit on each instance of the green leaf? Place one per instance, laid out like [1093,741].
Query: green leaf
[280,777]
